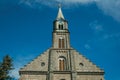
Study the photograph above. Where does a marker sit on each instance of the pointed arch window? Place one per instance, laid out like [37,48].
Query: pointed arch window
[61,43]
[61,63]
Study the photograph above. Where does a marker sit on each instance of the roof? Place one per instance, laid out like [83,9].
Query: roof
[60,14]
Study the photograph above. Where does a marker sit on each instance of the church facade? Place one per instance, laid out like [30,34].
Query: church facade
[61,61]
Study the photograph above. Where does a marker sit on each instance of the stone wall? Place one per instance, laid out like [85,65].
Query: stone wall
[38,64]
[90,77]
[33,77]
[62,77]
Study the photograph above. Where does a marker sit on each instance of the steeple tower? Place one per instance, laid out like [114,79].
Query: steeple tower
[60,31]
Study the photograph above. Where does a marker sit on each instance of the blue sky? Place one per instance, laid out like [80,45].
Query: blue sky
[26,30]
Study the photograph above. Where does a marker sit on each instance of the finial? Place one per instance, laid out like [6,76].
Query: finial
[59,5]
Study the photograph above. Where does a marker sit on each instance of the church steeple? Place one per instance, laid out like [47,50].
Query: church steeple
[60,31]
[60,24]
[60,14]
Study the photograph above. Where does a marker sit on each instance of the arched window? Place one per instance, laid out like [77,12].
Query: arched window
[61,63]
[61,43]
[61,26]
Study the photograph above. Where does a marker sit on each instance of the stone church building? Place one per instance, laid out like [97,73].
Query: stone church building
[61,61]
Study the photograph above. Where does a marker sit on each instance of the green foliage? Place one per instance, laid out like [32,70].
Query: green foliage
[5,67]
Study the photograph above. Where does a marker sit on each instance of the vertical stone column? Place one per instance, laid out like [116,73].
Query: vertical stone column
[49,66]
[73,70]
[74,75]
[50,75]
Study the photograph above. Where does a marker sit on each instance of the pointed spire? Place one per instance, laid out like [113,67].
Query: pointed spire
[60,14]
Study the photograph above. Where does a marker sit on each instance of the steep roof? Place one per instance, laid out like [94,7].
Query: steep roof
[60,14]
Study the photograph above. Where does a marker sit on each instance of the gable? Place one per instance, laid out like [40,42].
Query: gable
[38,64]
[82,64]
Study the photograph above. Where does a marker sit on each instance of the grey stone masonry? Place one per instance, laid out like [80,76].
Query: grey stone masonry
[46,67]
[61,61]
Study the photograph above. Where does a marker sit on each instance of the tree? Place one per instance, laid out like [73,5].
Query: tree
[5,67]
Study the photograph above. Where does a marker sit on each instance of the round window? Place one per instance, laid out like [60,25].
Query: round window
[42,63]
[81,64]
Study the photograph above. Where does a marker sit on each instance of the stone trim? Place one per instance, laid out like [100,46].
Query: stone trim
[59,33]
[34,72]
[61,49]
[90,73]
[61,72]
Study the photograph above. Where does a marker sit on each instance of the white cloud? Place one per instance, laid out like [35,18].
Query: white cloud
[115,35]
[109,7]
[15,73]
[96,27]
[54,3]
[19,63]
[76,1]
[105,37]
